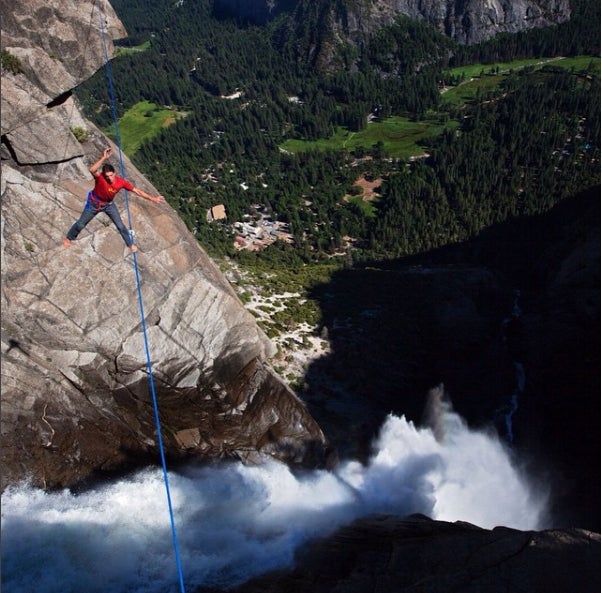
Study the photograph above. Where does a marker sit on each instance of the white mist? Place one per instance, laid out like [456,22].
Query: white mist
[234,522]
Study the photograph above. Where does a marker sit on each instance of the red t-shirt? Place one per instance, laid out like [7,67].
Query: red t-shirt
[106,191]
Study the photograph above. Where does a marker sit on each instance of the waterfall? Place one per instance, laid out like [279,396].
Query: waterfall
[512,336]
[235,521]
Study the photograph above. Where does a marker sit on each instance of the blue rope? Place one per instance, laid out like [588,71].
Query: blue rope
[142,316]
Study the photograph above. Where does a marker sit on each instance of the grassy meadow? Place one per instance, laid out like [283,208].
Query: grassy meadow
[121,50]
[400,137]
[487,77]
[142,121]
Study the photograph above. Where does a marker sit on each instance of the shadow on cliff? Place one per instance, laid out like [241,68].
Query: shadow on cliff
[524,291]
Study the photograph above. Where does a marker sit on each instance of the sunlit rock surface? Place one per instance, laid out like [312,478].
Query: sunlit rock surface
[76,392]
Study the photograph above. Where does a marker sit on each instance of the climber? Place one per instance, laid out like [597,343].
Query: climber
[100,199]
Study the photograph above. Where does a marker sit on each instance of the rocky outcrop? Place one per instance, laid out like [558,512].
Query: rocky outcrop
[57,45]
[322,25]
[469,21]
[320,29]
[76,387]
[392,554]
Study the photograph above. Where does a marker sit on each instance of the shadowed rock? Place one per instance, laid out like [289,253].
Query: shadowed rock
[391,554]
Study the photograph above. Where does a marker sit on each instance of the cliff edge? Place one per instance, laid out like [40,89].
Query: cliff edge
[76,397]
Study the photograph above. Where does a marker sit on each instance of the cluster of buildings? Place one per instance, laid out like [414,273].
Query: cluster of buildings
[257,234]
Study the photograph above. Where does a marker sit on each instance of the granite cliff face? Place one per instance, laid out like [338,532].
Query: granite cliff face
[320,28]
[75,387]
[76,397]
[466,21]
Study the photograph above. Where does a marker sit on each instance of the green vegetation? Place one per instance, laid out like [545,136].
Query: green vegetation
[368,209]
[480,70]
[519,137]
[396,137]
[581,65]
[123,50]
[287,289]
[10,62]
[80,133]
[142,121]
[475,81]
[473,89]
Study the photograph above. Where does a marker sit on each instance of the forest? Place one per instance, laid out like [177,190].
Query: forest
[515,150]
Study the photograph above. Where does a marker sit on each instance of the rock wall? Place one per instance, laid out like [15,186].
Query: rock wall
[76,391]
[466,21]
[58,44]
[327,25]
[473,21]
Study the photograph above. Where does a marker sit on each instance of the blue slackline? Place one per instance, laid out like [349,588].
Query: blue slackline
[142,317]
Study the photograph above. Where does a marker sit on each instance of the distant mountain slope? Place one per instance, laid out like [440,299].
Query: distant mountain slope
[320,24]
[467,21]
[323,25]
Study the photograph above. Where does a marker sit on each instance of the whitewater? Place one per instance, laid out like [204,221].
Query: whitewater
[234,522]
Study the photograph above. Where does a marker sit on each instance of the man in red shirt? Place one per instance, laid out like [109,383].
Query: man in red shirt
[100,199]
